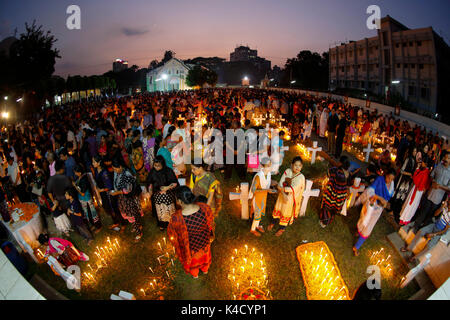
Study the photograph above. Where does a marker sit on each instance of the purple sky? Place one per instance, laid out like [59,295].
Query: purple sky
[141,30]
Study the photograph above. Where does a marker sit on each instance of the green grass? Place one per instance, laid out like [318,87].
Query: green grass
[129,271]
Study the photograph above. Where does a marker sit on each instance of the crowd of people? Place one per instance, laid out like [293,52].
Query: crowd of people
[118,154]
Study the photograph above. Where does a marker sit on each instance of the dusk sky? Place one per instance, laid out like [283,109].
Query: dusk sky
[141,30]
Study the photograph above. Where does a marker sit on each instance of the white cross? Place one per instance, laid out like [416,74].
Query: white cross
[314,149]
[307,193]
[259,119]
[180,118]
[243,197]
[368,151]
[383,137]
[356,188]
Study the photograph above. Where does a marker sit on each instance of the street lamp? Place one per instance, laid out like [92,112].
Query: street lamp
[5,115]
[6,97]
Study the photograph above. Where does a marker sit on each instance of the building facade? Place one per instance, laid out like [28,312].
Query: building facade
[243,53]
[397,60]
[170,76]
[120,65]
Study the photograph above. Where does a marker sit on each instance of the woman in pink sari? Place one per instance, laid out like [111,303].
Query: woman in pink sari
[56,246]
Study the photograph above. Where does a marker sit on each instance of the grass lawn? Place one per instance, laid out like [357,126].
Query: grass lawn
[129,269]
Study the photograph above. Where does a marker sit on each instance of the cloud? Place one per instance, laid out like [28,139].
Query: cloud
[129,32]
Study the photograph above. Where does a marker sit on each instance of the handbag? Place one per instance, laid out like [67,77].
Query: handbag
[253,161]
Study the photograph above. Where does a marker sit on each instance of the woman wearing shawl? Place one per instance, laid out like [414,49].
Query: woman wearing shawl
[290,189]
[421,180]
[162,182]
[137,159]
[203,183]
[404,183]
[258,193]
[374,200]
[128,202]
[335,192]
[56,246]
[148,144]
[191,231]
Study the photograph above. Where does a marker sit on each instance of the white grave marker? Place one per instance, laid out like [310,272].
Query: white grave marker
[307,193]
[243,197]
[368,151]
[356,188]
[314,149]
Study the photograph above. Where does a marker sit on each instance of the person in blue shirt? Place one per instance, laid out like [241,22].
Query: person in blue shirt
[75,213]
[432,232]
[69,163]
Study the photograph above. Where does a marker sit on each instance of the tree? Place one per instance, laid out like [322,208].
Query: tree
[153,64]
[308,69]
[33,60]
[199,75]
[169,54]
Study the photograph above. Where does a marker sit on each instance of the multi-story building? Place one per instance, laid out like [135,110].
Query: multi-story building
[120,65]
[242,53]
[413,63]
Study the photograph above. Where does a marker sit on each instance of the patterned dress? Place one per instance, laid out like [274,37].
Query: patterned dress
[129,206]
[137,157]
[205,186]
[191,237]
[287,211]
[334,195]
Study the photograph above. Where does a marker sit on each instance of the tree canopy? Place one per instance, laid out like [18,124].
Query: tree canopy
[199,76]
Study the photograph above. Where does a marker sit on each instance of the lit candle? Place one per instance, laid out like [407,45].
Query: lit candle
[167,274]
[164,239]
[246,248]
[235,251]
[151,269]
[251,264]
[90,267]
[171,260]
[117,243]
[159,245]
[153,287]
[109,241]
[159,261]
[143,291]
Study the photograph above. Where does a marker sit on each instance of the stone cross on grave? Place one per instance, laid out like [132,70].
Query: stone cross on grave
[384,137]
[180,118]
[356,188]
[259,119]
[279,119]
[243,197]
[314,149]
[368,151]
[307,193]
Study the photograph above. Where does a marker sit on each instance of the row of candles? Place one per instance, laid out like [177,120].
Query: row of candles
[104,255]
[321,275]
[378,258]
[162,272]
[248,270]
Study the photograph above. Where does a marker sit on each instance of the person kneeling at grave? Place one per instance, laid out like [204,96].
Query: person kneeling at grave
[63,250]
[429,236]
[204,183]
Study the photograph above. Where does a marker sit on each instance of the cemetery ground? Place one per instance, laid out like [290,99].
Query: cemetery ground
[129,270]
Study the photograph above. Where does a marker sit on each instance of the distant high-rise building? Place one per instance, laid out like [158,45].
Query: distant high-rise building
[243,53]
[413,63]
[120,65]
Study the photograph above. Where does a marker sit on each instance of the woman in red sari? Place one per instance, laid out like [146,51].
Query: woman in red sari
[191,231]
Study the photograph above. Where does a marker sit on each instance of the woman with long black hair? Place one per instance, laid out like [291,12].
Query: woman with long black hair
[105,184]
[127,190]
[162,181]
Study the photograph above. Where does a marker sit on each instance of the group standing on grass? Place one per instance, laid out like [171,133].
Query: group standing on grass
[109,154]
